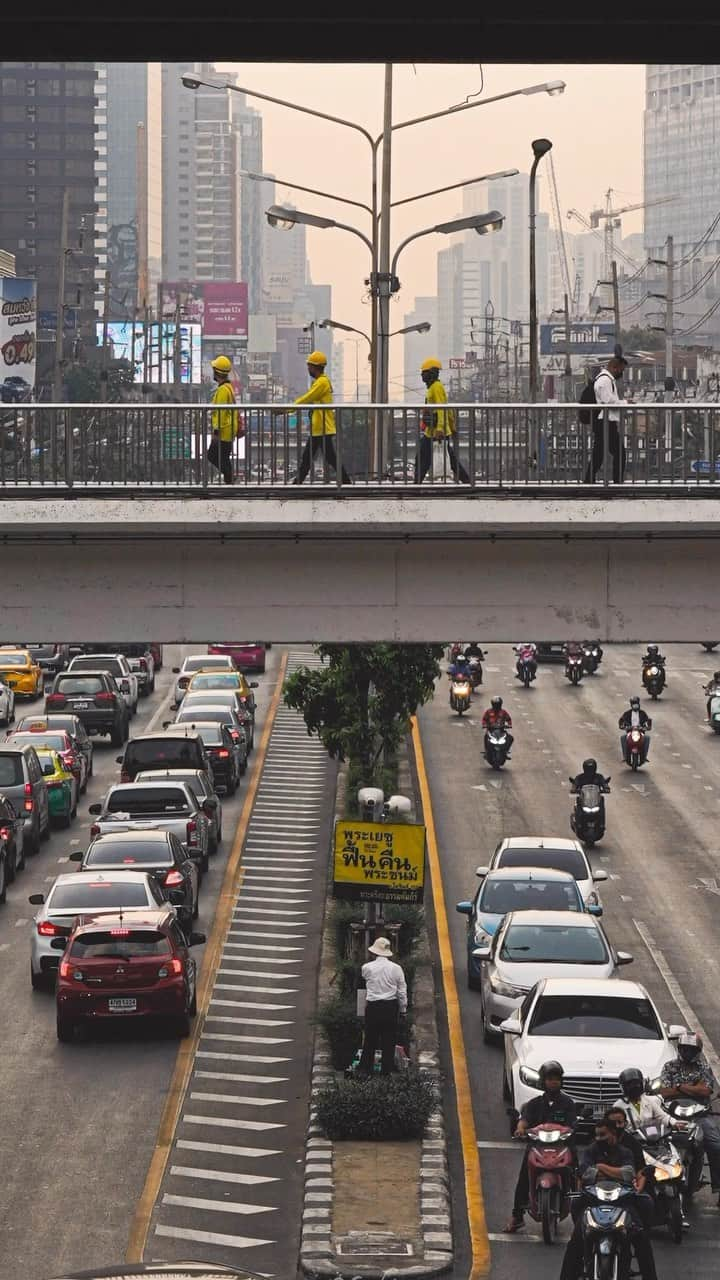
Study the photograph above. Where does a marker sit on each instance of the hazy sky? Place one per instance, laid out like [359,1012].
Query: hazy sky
[595,127]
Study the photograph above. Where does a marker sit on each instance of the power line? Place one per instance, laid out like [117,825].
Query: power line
[681,333]
[702,281]
[623,284]
[684,261]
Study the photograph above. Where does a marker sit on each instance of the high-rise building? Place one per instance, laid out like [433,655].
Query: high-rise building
[134,188]
[253,197]
[418,346]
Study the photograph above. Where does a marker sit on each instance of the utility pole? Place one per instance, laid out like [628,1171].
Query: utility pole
[669,319]
[60,319]
[615,298]
[104,349]
[383,281]
[568,358]
[177,372]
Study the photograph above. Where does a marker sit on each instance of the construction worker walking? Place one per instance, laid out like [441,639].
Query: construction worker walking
[436,424]
[323,427]
[225,422]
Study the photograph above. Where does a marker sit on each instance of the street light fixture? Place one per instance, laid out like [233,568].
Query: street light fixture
[540,147]
[284,218]
[482,223]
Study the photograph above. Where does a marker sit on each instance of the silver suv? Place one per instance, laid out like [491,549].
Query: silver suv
[23,784]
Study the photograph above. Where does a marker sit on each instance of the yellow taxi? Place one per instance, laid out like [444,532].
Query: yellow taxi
[218,679]
[20,673]
[62,787]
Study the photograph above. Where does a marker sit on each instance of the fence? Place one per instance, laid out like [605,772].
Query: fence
[496,447]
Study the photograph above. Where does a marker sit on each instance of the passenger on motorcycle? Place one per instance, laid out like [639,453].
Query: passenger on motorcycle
[495,717]
[606,1160]
[459,668]
[631,719]
[712,690]
[551,1105]
[473,650]
[589,777]
[691,1076]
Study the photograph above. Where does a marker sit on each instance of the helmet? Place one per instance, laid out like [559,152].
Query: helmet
[635,702]
[689,1047]
[222,364]
[496,704]
[716,677]
[652,648]
[551,1068]
[432,362]
[632,1083]
[589,765]
[317,358]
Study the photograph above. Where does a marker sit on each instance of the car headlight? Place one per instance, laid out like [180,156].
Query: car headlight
[662,1175]
[505,988]
[530,1077]
[480,936]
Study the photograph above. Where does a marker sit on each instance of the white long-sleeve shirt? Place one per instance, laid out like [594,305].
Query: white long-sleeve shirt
[649,1111]
[385,980]
[606,392]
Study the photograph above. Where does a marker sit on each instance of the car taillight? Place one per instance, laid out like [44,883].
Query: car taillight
[103,699]
[173,969]
[28,798]
[47,929]
[222,754]
[95,829]
[173,878]
[67,970]
[4,833]
[68,758]
[55,700]
[235,735]
[143,664]
[191,830]
[244,701]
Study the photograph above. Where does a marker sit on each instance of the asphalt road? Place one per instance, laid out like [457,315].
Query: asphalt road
[79,1122]
[661,852]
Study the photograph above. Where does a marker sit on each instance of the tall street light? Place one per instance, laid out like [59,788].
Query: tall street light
[540,147]
[423,326]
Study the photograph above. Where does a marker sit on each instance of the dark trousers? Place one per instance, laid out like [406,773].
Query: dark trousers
[325,445]
[220,455]
[381,1024]
[522,1189]
[423,460]
[617,451]
[642,1211]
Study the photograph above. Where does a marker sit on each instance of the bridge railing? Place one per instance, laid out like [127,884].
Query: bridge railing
[494,447]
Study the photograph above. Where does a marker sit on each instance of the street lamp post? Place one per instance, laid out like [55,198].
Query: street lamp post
[540,147]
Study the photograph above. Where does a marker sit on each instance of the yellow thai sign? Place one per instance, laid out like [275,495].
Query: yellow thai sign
[384,861]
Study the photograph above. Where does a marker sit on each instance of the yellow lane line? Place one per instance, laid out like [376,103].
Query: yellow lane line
[187,1049]
[479,1239]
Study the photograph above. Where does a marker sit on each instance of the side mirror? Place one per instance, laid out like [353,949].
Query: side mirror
[58,944]
[119,759]
[624,957]
[166,724]
[511,1026]
[481,871]
[254,684]
[599,875]
[37,899]
[177,896]
[95,809]
[675,1030]
[76,856]
[481,953]
[465,908]
[176,671]
[595,909]
[210,802]
[196,939]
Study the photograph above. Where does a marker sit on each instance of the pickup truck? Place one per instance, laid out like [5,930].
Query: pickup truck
[151,806]
[116,665]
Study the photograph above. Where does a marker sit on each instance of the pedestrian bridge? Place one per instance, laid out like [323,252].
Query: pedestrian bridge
[532,551]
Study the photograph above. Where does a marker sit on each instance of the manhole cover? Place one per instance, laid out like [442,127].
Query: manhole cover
[360,1244]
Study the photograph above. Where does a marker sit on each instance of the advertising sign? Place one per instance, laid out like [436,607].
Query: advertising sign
[220,307]
[586,339]
[384,861]
[127,342]
[18,333]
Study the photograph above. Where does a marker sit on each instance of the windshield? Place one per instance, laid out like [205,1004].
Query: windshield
[98,664]
[42,650]
[216,680]
[211,698]
[122,853]
[14,660]
[553,944]
[590,795]
[194,780]
[148,799]
[205,661]
[48,764]
[216,715]
[57,741]
[11,771]
[82,896]
[69,685]
[120,942]
[603,1017]
[162,752]
[557,859]
[503,896]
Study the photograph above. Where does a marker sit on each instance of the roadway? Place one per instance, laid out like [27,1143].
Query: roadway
[661,852]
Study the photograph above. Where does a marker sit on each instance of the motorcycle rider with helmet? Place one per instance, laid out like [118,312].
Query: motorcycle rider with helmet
[631,719]
[552,1105]
[495,717]
[589,777]
[711,690]
[640,1108]
[691,1076]
[459,668]
[473,650]
[653,657]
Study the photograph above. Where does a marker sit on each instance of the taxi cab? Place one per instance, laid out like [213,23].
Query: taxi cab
[20,673]
[206,680]
[61,785]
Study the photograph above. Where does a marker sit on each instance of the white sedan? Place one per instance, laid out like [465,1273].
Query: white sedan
[7,705]
[556,852]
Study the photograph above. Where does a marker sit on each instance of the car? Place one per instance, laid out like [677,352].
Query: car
[156,806]
[116,664]
[246,656]
[223,752]
[12,849]
[549,851]
[72,895]
[198,662]
[232,698]
[156,852]
[15,389]
[7,704]
[94,698]
[72,726]
[218,715]
[596,1027]
[62,787]
[550,650]
[118,966]
[163,750]
[54,740]
[204,680]
[201,786]
[530,945]
[143,668]
[20,673]
[51,658]
[515,889]
[23,784]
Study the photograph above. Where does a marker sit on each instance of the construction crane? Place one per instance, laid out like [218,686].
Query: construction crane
[624,257]
[611,218]
[560,235]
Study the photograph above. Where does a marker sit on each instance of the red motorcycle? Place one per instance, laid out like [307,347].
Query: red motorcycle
[551,1173]
[635,747]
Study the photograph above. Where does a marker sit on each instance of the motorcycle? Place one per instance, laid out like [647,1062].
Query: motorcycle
[476,672]
[715,712]
[591,658]
[587,819]
[606,1238]
[635,747]
[574,667]
[665,1176]
[653,678]
[496,746]
[689,1140]
[551,1169]
[460,694]
[526,667]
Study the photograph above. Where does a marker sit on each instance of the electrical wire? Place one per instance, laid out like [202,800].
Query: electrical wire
[684,261]
[702,281]
[623,284]
[681,333]
[477,94]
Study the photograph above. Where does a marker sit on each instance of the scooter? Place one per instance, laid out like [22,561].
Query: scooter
[574,667]
[551,1169]
[665,1176]
[714,709]
[476,672]
[653,678]
[460,694]
[635,747]
[591,658]
[496,746]
[526,667]
[587,819]
[689,1139]
[606,1239]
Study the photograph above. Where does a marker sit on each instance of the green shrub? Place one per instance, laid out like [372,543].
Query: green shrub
[377,1109]
[341,1027]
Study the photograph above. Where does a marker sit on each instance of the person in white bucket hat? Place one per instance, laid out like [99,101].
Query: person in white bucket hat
[386,1000]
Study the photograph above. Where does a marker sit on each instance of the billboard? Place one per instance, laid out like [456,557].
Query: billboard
[586,339]
[18,330]
[382,861]
[220,307]
[127,342]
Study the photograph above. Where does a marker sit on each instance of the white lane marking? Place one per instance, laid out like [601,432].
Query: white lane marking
[241,1100]
[677,993]
[625,897]
[711,885]
[225,1035]
[217,1175]
[216,1148]
[65,858]
[480,787]
[4,946]
[248,1004]
[218,1206]
[499,1237]
[259,959]
[499,1146]
[264,911]
[240,1057]
[257,933]
[233,1077]
[290,876]
[250,1022]
[708,788]
[272,991]
[221,1122]
[20,922]
[269,887]
[210,1237]
[260,946]
[259,973]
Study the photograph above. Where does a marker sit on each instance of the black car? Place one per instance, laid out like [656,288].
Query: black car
[15,390]
[156,853]
[223,751]
[551,650]
[51,658]
[11,861]
[72,726]
[94,698]
[163,751]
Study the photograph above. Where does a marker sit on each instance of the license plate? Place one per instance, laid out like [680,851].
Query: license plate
[119,1005]
[81,706]
[598,1111]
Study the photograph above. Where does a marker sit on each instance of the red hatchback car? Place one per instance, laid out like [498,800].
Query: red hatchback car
[129,965]
[247,657]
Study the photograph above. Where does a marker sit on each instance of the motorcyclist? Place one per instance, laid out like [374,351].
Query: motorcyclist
[639,1109]
[496,717]
[473,650]
[606,1160]
[459,667]
[551,1105]
[653,657]
[572,646]
[712,689]
[691,1076]
[526,652]
[589,777]
[631,719]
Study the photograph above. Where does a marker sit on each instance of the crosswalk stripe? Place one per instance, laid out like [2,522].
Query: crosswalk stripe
[217,1175]
[219,1035]
[261,946]
[215,1148]
[250,1004]
[241,1100]
[255,973]
[259,1126]
[238,1078]
[276,991]
[210,1237]
[250,1022]
[241,1057]
[256,933]
[218,1206]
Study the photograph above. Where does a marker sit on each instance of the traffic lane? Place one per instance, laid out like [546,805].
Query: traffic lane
[95,1106]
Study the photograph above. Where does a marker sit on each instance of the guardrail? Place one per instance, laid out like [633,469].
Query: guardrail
[497,446]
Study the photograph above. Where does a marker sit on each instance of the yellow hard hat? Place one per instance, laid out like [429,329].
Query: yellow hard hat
[222,364]
[431,363]
[317,358]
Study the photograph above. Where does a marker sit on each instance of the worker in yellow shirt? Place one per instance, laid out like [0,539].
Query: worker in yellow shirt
[225,422]
[436,424]
[322,421]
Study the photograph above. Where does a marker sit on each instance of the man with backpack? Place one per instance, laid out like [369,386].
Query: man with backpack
[603,391]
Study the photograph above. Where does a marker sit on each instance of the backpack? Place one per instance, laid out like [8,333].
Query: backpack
[587,396]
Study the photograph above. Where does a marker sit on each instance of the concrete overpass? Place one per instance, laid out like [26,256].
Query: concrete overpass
[357,567]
